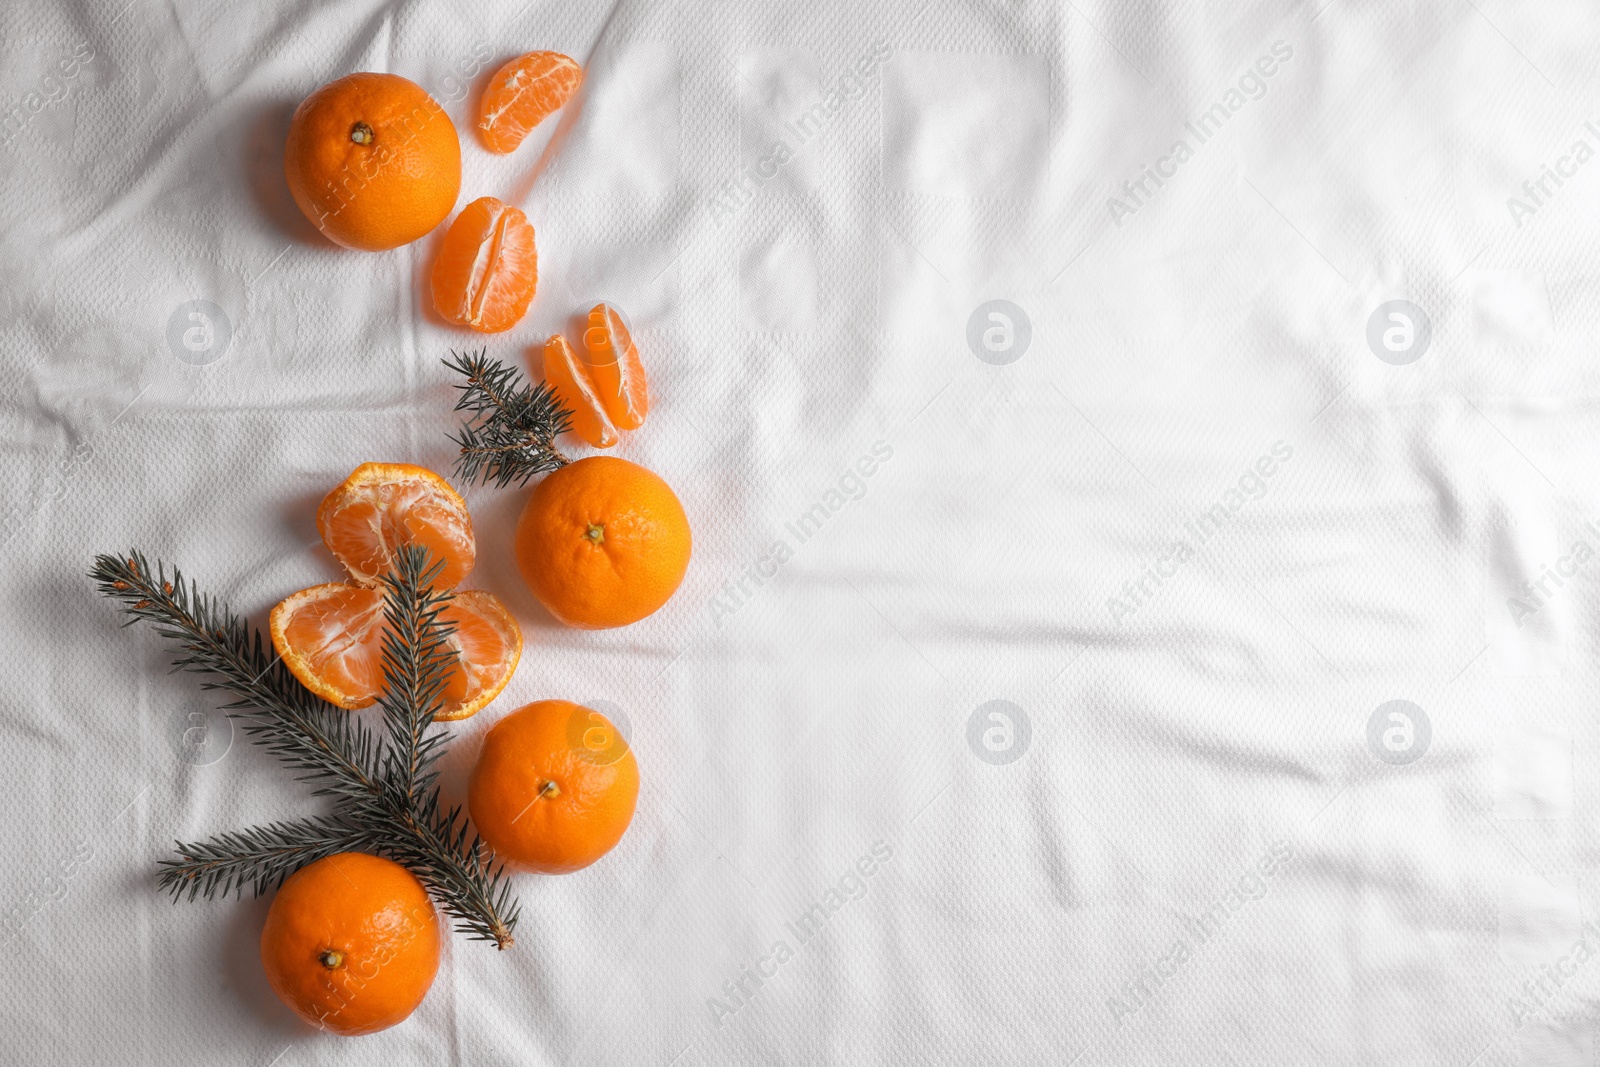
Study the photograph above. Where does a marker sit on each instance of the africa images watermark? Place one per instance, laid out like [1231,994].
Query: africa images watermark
[354,976]
[53,88]
[1252,485]
[736,192]
[49,888]
[1540,990]
[1538,191]
[1250,886]
[999,732]
[738,992]
[1537,592]
[56,483]
[737,591]
[1142,188]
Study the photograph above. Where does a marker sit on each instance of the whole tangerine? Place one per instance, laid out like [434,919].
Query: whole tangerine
[554,788]
[351,943]
[373,161]
[603,542]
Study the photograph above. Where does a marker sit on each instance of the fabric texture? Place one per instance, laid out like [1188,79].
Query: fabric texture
[1143,607]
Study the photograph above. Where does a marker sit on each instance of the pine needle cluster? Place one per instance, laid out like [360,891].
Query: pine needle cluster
[384,782]
[511,432]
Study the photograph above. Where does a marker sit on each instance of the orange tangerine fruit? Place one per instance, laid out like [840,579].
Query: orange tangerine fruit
[602,542]
[373,161]
[487,268]
[544,795]
[569,377]
[614,365]
[382,507]
[351,943]
[331,639]
[488,645]
[522,94]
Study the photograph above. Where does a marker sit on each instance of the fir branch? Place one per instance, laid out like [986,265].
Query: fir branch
[417,661]
[333,748]
[459,869]
[511,430]
[389,793]
[261,857]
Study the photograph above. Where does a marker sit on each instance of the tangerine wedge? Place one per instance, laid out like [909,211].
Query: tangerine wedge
[614,365]
[382,507]
[569,377]
[488,645]
[522,94]
[331,639]
[488,267]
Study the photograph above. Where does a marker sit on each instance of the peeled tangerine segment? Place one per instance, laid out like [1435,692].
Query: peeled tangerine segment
[331,639]
[488,643]
[383,507]
[570,379]
[487,268]
[522,94]
[614,366]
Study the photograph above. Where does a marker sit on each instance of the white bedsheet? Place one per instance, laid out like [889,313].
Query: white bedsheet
[1186,515]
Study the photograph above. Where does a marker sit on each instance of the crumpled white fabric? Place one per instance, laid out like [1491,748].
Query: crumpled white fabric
[1167,504]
